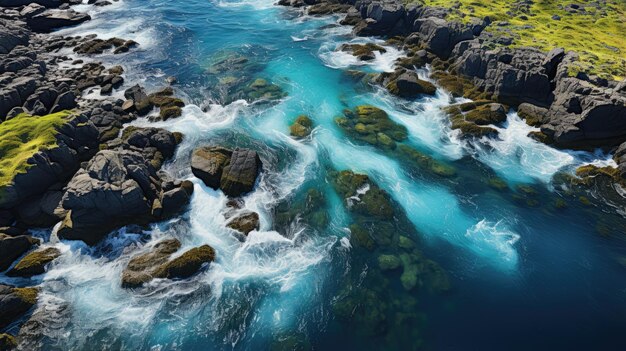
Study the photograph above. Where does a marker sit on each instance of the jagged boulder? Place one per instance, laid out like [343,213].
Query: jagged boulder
[76,140]
[440,36]
[117,188]
[237,170]
[51,20]
[12,35]
[244,222]
[512,76]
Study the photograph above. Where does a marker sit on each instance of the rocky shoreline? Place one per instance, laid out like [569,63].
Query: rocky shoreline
[574,112]
[85,172]
[92,175]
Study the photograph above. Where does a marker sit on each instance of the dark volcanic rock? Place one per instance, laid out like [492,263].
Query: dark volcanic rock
[511,76]
[116,188]
[239,176]
[140,99]
[13,247]
[408,85]
[77,141]
[15,302]
[12,35]
[54,19]
[440,36]
[234,172]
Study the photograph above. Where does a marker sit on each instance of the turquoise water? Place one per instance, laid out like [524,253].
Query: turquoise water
[523,274]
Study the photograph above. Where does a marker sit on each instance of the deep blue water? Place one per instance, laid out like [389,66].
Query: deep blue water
[522,275]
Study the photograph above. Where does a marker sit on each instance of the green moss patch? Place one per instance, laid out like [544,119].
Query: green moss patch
[22,137]
[595,30]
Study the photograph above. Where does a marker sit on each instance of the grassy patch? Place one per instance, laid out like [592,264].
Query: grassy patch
[22,137]
[595,30]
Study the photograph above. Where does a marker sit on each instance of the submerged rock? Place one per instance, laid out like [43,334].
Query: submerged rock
[15,302]
[361,195]
[157,264]
[372,125]
[34,263]
[233,171]
[301,127]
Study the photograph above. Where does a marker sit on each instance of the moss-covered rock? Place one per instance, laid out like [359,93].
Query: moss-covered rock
[34,263]
[301,127]
[372,125]
[244,222]
[168,112]
[426,162]
[22,136]
[143,268]
[261,89]
[7,342]
[364,52]
[188,263]
[468,128]
[362,195]
[459,86]
[487,114]
[15,302]
[388,262]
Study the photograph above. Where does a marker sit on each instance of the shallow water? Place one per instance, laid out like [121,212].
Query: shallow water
[523,274]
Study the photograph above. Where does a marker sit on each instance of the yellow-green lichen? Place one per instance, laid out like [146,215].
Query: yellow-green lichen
[22,137]
[595,30]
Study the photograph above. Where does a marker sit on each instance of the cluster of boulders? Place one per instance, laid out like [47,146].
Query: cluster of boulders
[235,173]
[572,110]
[90,174]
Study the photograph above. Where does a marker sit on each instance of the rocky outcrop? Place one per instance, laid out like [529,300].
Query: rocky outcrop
[77,140]
[12,35]
[233,171]
[15,302]
[117,188]
[406,83]
[157,264]
[510,76]
[34,263]
[12,248]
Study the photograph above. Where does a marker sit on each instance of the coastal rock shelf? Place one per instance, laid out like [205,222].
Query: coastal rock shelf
[312,175]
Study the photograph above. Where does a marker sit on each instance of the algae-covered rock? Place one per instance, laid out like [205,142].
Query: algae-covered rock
[301,127]
[157,264]
[426,162]
[13,247]
[15,302]
[388,262]
[487,114]
[34,263]
[361,238]
[365,52]
[372,125]
[7,342]
[363,308]
[362,195]
[188,263]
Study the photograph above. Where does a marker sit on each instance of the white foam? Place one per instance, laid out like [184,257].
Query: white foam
[333,57]
[518,157]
